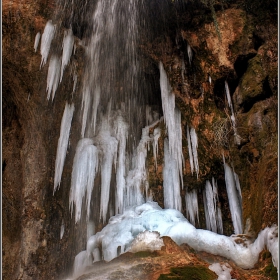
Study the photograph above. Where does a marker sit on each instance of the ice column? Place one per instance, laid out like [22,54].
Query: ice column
[233,192]
[172,119]
[83,174]
[171,180]
[63,143]
[108,146]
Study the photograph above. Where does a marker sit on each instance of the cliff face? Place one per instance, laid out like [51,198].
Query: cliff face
[241,48]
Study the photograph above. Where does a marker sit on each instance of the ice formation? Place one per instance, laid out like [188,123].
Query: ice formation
[53,76]
[67,46]
[63,143]
[172,119]
[192,206]
[192,146]
[156,135]
[62,229]
[171,180]
[83,174]
[212,209]
[108,145]
[222,270]
[37,40]
[233,192]
[121,231]
[46,41]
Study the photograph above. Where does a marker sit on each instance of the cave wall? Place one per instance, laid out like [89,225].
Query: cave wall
[245,55]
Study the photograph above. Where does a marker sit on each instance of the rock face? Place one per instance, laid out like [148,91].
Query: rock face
[239,46]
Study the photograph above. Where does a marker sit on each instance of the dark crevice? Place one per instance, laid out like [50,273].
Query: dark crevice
[257,41]
[266,93]
[241,64]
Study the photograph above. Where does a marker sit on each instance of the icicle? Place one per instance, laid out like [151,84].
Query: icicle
[37,40]
[190,149]
[234,199]
[62,143]
[194,143]
[171,181]
[192,206]
[85,108]
[108,146]
[90,229]
[46,41]
[172,118]
[121,130]
[53,76]
[62,229]
[190,54]
[96,100]
[210,80]
[67,46]
[83,174]
[157,133]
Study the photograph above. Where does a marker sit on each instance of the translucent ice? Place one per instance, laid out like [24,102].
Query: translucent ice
[46,41]
[63,143]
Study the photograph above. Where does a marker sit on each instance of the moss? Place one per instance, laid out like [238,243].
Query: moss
[271,271]
[190,273]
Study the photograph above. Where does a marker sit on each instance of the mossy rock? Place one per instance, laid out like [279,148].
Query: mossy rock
[189,273]
[271,271]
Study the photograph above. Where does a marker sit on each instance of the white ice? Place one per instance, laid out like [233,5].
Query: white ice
[233,198]
[121,231]
[63,143]
[156,136]
[37,40]
[46,41]
[53,76]
[190,54]
[84,169]
[67,46]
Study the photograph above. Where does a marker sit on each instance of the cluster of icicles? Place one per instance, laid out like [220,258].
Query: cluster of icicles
[107,152]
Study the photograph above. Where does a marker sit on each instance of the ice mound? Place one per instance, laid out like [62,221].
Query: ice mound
[120,235]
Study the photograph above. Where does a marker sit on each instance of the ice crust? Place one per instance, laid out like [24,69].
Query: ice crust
[222,270]
[122,231]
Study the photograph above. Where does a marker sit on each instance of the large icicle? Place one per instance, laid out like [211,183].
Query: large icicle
[192,206]
[121,130]
[190,149]
[108,146]
[67,46]
[83,174]
[46,41]
[63,143]
[234,198]
[171,180]
[172,119]
[156,134]
[53,76]
[194,149]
